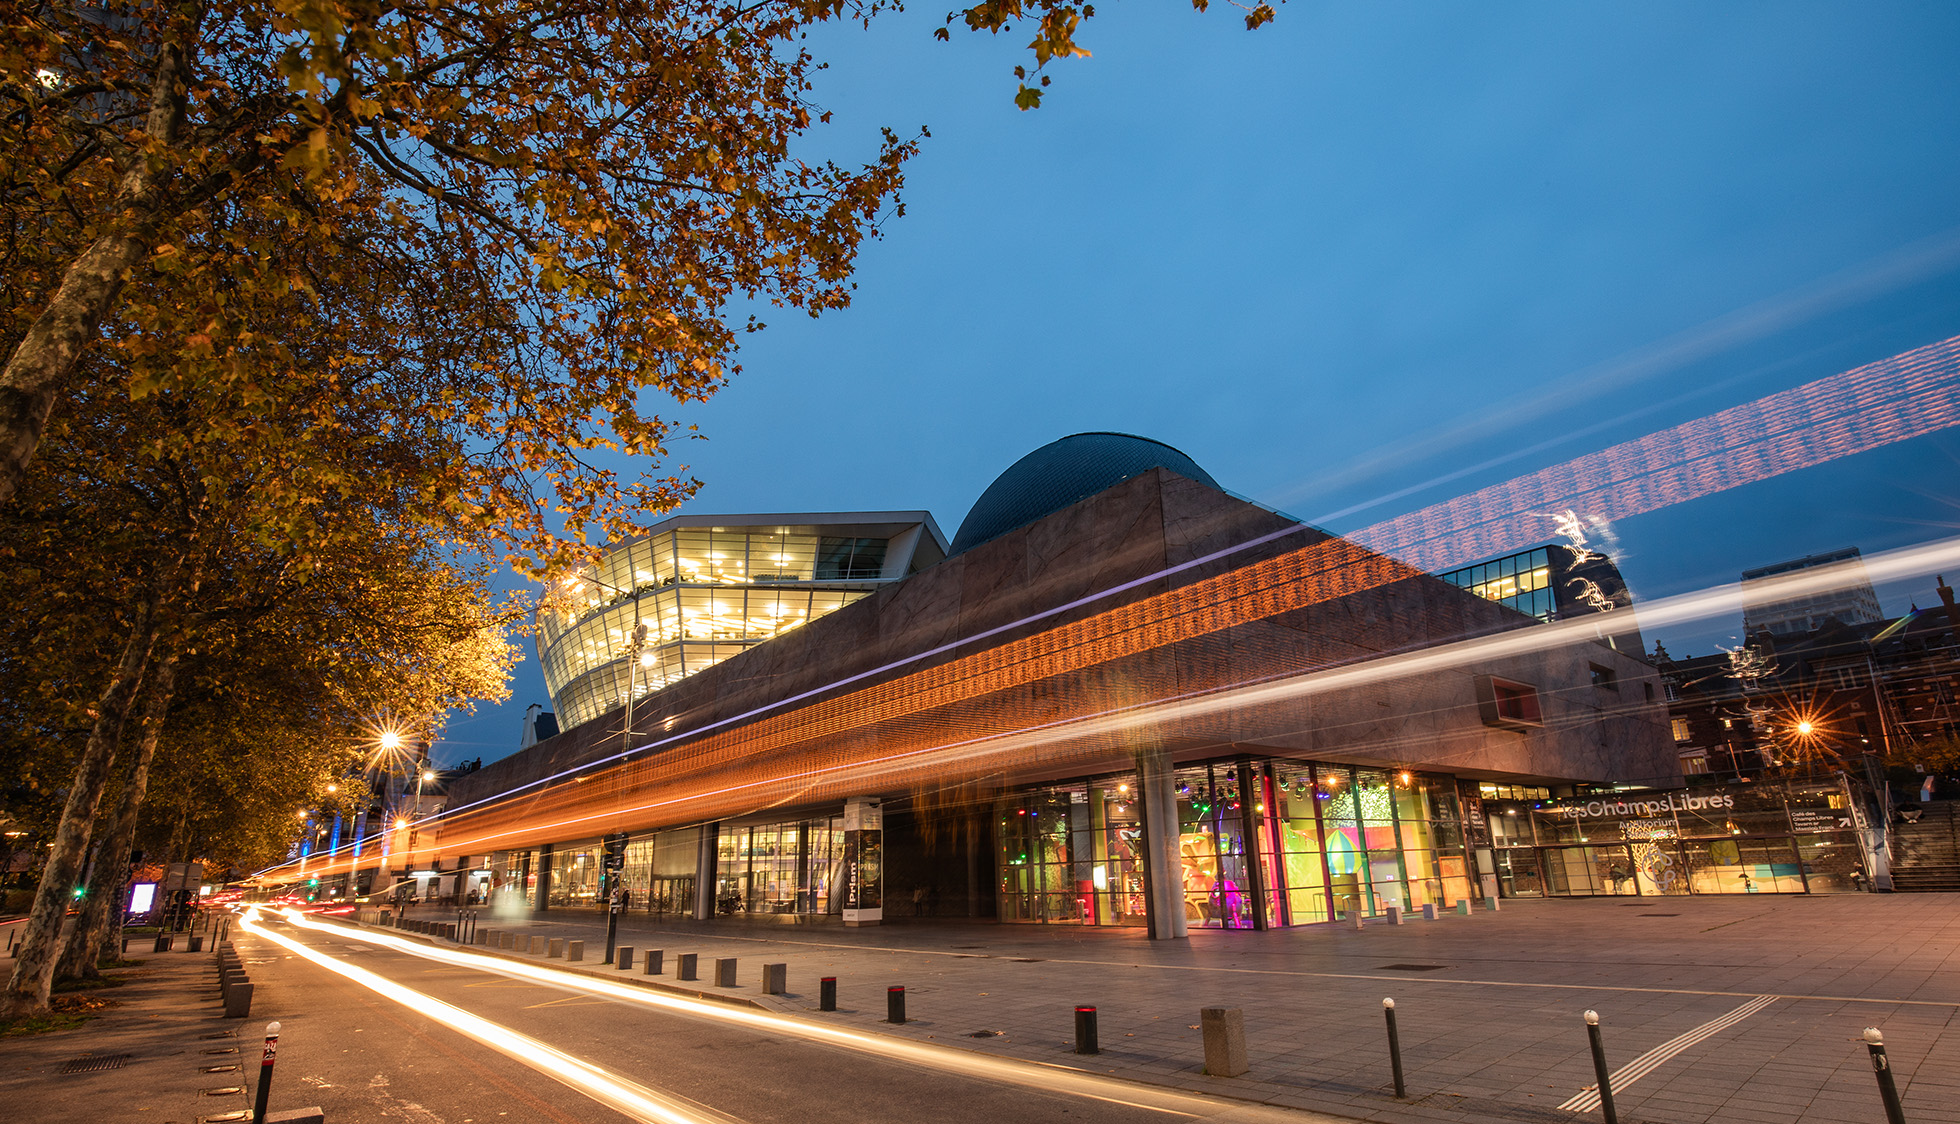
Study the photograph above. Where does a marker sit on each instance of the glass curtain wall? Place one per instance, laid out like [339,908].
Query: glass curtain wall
[704,596]
[1326,840]
[778,868]
[659,873]
[1072,855]
[574,876]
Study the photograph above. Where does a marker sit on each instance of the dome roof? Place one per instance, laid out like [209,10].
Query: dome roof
[1062,472]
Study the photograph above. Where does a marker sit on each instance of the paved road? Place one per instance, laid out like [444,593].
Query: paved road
[364,1056]
[1489,1004]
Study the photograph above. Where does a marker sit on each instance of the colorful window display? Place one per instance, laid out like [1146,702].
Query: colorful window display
[1072,855]
[1260,843]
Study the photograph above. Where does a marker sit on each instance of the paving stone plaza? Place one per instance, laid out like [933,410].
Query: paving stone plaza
[1490,1006]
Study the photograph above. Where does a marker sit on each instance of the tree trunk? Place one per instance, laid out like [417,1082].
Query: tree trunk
[40,948]
[46,356]
[98,930]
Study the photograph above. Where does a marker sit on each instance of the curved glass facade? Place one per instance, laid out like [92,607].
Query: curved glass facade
[705,594]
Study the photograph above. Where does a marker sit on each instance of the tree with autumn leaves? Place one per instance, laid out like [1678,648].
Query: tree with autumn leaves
[342,289]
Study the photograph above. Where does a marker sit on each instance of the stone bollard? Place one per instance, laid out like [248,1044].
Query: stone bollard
[539,945]
[1490,903]
[575,951]
[775,979]
[684,966]
[1463,907]
[1224,1032]
[238,1000]
[1354,919]
[1395,915]
[725,971]
[1429,911]
[314,1115]
[483,937]
[507,940]
[623,958]
[197,942]
[653,958]
[555,948]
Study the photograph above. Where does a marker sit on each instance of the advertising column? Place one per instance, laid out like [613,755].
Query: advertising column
[864,861]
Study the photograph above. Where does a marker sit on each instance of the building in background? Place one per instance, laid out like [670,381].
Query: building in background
[1853,602]
[709,587]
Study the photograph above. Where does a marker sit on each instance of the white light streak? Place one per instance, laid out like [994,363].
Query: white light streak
[630,1098]
[1047,1077]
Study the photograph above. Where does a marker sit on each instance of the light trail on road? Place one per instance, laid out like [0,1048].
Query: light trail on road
[1046,1077]
[628,1097]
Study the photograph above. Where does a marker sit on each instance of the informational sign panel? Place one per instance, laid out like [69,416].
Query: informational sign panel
[864,862]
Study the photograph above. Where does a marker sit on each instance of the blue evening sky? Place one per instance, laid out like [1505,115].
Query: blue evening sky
[1366,246]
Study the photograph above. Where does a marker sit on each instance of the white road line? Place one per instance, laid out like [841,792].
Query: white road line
[1588,1098]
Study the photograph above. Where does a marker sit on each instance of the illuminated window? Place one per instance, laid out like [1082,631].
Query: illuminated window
[1681,732]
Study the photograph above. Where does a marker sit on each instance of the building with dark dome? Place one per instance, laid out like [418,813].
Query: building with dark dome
[1064,472]
[1122,698]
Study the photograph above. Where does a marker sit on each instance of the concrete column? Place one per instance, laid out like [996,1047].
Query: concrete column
[544,879]
[1157,800]
[704,872]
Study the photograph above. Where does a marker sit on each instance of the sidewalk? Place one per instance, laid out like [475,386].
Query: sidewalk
[156,1055]
[1489,1005]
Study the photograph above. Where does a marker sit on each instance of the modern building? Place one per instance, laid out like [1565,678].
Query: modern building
[1853,602]
[709,587]
[1124,698]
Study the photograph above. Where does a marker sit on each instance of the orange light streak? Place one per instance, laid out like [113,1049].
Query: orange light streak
[1174,643]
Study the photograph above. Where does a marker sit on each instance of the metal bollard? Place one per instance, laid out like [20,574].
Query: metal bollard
[1599,1068]
[1888,1091]
[827,994]
[1085,1031]
[1394,1048]
[653,966]
[684,965]
[775,979]
[265,1072]
[1224,1034]
[623,958]
[725,971]
[894,1004]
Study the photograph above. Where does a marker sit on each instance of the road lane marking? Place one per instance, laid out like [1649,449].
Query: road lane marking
[1588,1098]
[627,1097]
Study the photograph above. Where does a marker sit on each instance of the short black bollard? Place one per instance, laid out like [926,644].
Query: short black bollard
[1599,1068]
[1882,1068]
[265,1072]
[827,994]
[1394,1048]
[894,1004]
[1085,1031]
